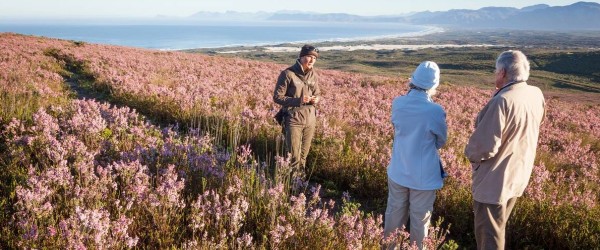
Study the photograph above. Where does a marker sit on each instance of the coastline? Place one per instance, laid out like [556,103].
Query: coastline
[436,38]
[362,46]
[216,35]
[365,43]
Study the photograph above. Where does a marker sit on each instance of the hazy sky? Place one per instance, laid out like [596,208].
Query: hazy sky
[19,9]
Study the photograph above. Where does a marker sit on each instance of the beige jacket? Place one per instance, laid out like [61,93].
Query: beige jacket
[502,147]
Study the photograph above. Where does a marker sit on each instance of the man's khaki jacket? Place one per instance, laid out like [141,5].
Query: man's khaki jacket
[502,147]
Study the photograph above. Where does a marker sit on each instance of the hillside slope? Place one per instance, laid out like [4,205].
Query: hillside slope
[228,154]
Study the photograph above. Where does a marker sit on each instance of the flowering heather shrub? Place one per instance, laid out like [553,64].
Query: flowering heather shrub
[75,196]
[28,79]
[166,179]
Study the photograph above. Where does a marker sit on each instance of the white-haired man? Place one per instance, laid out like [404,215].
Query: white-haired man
[502,147]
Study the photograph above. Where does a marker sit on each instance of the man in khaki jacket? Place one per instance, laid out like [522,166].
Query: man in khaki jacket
[297,91]
[502,147]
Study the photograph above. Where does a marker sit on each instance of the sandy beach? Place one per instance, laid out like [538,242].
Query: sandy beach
[377,47]
[273,49]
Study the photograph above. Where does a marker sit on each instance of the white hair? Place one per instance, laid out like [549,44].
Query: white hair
[515,64]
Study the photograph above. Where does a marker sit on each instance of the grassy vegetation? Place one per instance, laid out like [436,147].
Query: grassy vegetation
[536,225]
[560,62]
[564,65]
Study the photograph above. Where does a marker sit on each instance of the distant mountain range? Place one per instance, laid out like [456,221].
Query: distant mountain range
[581,15]
[577,16]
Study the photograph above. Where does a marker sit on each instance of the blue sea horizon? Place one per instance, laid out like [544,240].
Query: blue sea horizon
[217,34]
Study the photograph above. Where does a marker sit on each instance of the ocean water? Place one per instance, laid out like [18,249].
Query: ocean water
[213,35]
